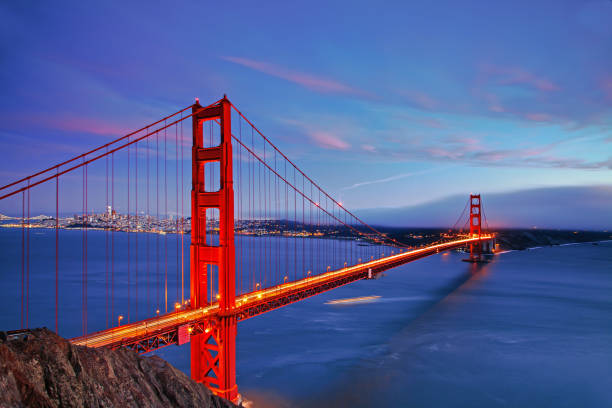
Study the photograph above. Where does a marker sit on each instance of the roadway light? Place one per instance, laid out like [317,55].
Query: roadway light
[328,267]
[257,286]
[218,296]
[177,306]
[119,320]
[285,279]
[157,311]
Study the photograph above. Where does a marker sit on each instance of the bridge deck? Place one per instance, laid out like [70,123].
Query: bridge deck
[160,331]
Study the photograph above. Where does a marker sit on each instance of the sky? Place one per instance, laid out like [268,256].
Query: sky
[390,107]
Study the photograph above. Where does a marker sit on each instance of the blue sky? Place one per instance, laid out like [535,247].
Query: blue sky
[388,106]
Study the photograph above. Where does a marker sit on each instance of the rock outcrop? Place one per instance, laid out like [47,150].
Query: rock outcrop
[41,369]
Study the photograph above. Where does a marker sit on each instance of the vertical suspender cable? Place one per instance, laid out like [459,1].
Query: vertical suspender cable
[182,216]
[136,229]
[106,239]
[56,252]
[83,252]
[158,224]
[28,264]
[113,227]
[128,233]
[176,160]
[165,218]
[22,257]
[86,246]
[148,236]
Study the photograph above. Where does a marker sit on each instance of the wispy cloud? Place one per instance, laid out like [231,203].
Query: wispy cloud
[69,123]
[429,122]
[368,148]
[474,151]
[607,87]
[420,99]
[309,81]
[395,177]
[88,125]
[538,117]
[513,75]
[328,140]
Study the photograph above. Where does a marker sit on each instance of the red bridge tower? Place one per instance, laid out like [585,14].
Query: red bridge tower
[213,352]
[475,226]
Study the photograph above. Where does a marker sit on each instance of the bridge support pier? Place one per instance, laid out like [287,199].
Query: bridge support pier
[213,353]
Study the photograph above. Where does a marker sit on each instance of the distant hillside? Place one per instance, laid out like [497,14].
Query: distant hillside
[506,238]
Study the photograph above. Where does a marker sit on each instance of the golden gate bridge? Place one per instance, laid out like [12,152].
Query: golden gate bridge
[245,196]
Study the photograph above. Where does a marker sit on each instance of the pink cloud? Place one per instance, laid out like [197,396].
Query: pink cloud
[607,87]
[421,99]
[512,75]
[309,81]
[493,102]
[86,125]
[538,117]
[440,152]
[69,123]
[328,140]
[430,122]
[368,148]
[467,142]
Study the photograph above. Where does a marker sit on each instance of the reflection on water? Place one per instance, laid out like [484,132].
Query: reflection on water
[348,301]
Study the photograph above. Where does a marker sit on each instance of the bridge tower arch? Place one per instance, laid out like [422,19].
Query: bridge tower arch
[213,352]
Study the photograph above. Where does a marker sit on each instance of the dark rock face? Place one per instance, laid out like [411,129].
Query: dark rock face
[45,370]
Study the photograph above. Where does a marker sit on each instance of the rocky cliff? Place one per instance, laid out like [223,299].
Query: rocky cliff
[41,369]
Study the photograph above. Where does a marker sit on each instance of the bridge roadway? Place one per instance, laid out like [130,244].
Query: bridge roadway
[160,331]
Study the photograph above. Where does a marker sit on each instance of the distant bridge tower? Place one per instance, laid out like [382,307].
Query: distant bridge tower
[475,226]
[213,352]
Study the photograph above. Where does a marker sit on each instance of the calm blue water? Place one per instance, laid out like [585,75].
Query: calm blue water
[533,328]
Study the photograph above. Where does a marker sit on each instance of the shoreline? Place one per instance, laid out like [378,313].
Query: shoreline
[554,245]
